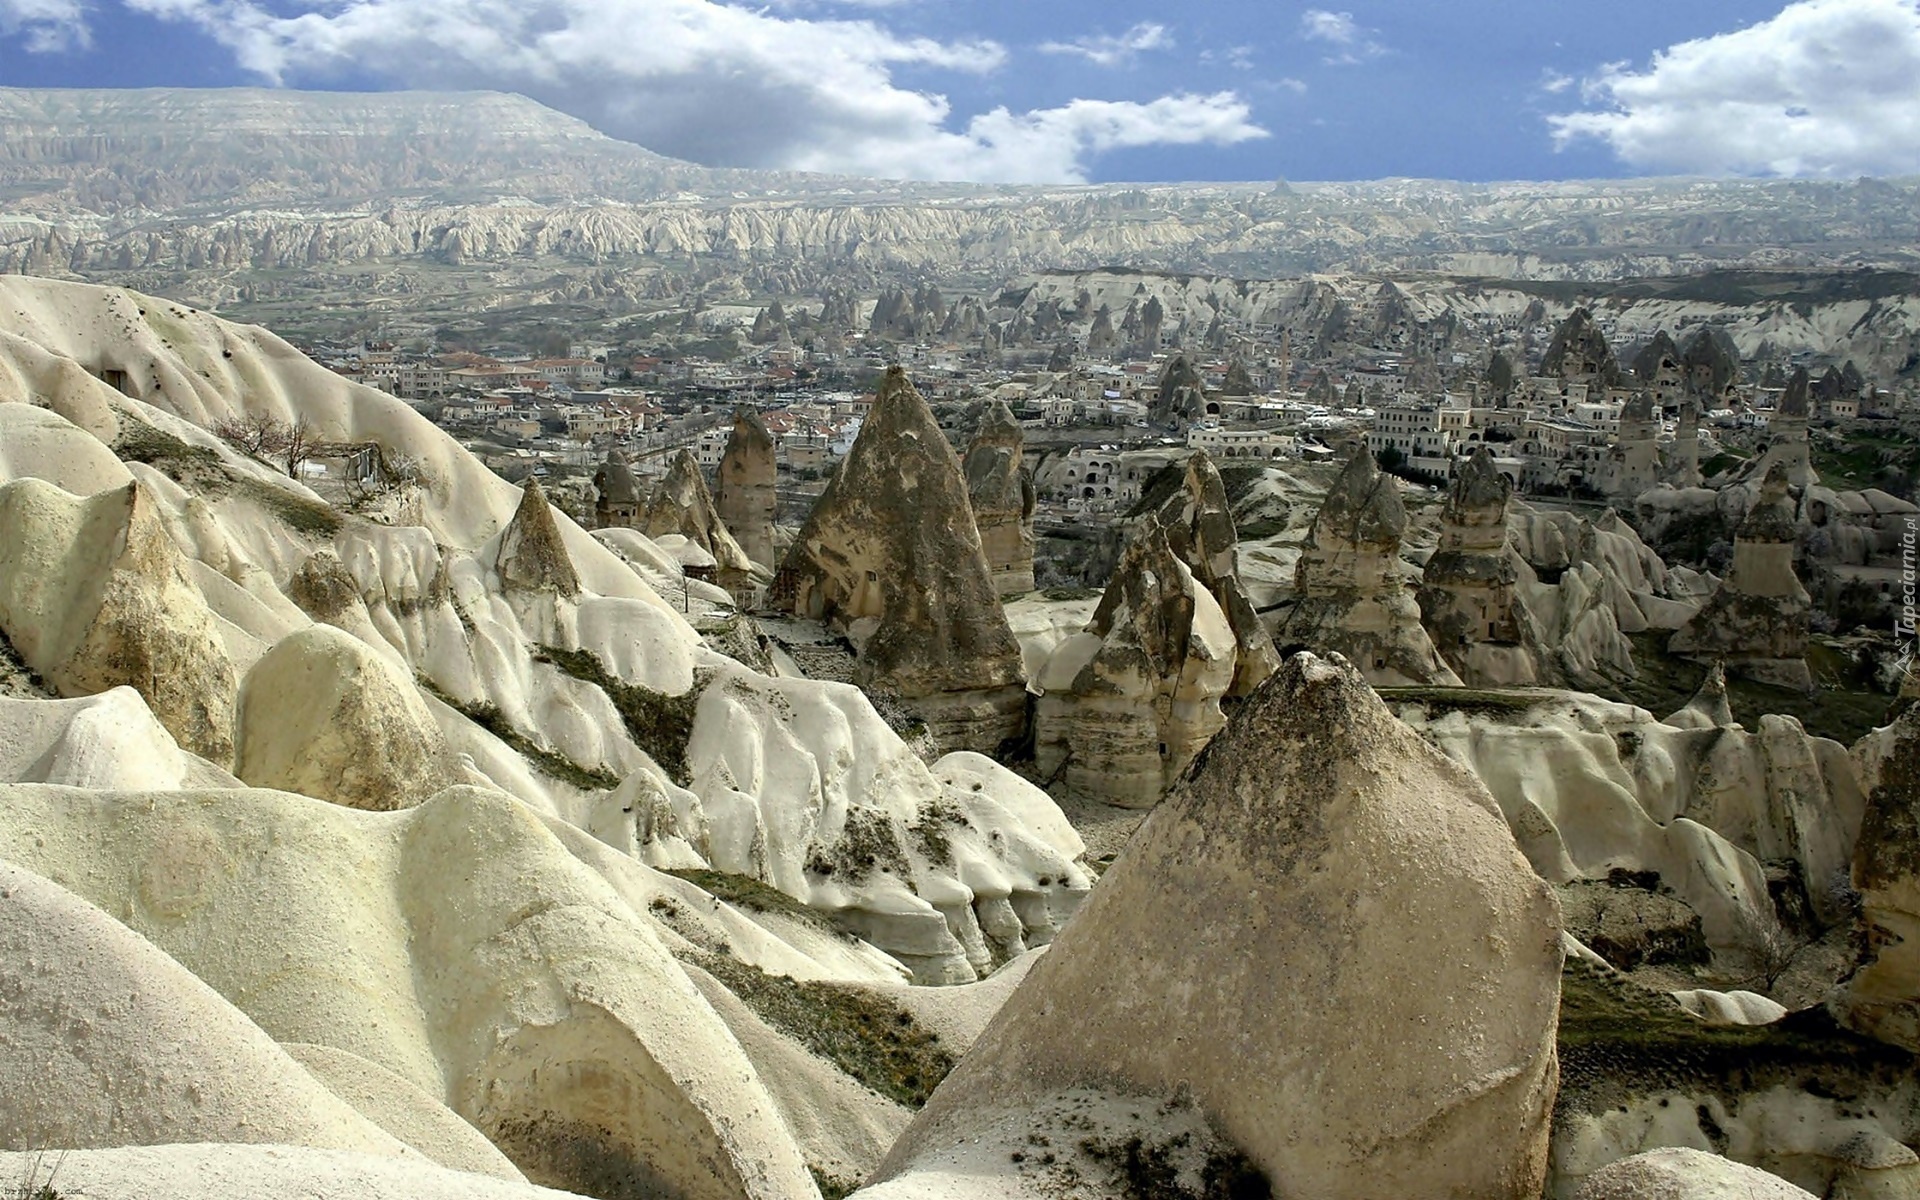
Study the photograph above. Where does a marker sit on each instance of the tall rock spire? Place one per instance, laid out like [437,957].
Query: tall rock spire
[744,494]
[1001,493]
[892,555]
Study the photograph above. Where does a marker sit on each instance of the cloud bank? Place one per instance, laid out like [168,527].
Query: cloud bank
[716,83]
[1825,88]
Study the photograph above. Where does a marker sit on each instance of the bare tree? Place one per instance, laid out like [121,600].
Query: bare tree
[264,437]
[301,443]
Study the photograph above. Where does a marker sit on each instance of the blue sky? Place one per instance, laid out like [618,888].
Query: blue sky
[1028,90]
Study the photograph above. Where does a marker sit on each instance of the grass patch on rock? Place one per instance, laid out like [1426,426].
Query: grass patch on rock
[832,1187]
[1148,1171]
[659,724]
[1666,682]
[867,1036]
[202,471]
[743,891]
[1619,1042]
[143,443]
[311,517]
[1491,701]
[547,762]
[868,842]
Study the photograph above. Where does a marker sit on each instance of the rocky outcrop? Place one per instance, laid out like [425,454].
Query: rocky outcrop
[892,555]
[246,1172]
[1371,880]
[1657,365]
[1757,621]
[1002,496]
[324,715]
[1349,593]
[1180,395]
[1787,444]
[1467,596]
[461,945]
[1590,786]
[1708,708]
[1882,998]
[1585,585]
[1579,352]
[1198,524]
[681,507]
[1683,460]
[1633,462]
[618,502]
[1685,1174]
[1712,364]
[532,556]
[94,594]
[744,494]
[1126,704]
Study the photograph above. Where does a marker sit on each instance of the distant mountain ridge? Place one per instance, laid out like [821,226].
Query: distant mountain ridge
[111,150]
[198,192]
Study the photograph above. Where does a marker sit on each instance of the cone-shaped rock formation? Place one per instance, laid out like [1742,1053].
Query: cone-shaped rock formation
[1325,938]
[533,557]
[1126,704]
[891,553]
[1757,620]
[1467,595]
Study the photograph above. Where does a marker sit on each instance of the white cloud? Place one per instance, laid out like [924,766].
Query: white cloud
[1826,87]
[48,25]
[709,81]
[1240,58]
[1114,49]
[1031,147]
[1555,82]
[1348,41]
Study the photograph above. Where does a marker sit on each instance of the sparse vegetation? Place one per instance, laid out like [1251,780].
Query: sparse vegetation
[547,762]
[1469,700]
[658,723]
[1667,682]
[868,842]
[1619,1041]
[867,1036]
[36,1180]
[743,891]
[832,1187]
[200,469]
[311,517]
[285,443]
[930,830]
[186,464]
[1147,1171]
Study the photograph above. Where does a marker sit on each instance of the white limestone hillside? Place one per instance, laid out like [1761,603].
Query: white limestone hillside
[1590,786]
[485,729]
[1874,330]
